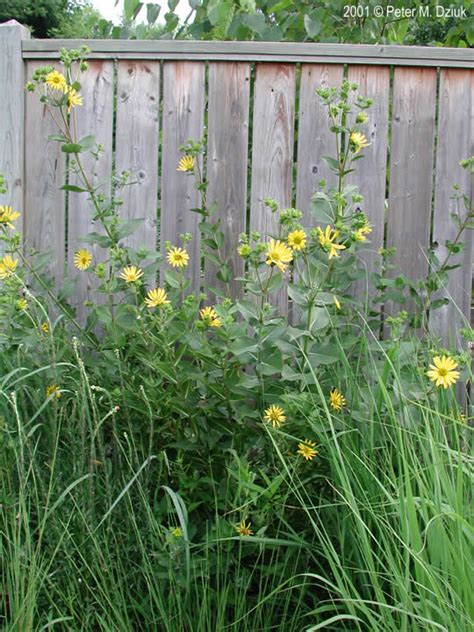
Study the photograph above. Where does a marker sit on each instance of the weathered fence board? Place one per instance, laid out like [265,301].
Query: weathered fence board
[370,175]
[44,223]
[411,169]
[453,144]
[136,146]
[272,148]
[314,138]
[12,112]
[94,117]
[229,92]
[183,119]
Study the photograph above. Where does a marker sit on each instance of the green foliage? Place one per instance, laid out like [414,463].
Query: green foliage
[429,23]
[51,18]
[161,449]
[432,22]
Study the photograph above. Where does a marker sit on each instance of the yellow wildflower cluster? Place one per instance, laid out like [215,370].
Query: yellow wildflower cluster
[156,298]
[57,81]
[243,528]
[360,233]
[297,239]
[442,372]
[177,257]
[337,401]
[186,163]
[307,449]
[131,274]
[53,391]
[8,216]
[210,317]
[327,241]
[358,141]
[274,415]
[7,266]
[82,259]
[279,255]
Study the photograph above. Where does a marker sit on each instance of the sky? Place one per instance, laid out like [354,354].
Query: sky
[112,12]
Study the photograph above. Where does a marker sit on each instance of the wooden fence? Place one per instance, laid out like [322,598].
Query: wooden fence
[257,102]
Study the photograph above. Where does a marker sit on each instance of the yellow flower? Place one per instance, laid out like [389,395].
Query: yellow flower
[45,327]
[336,302]
[8,216]
[360,233]
[22,304]
[177,533]
[297,239]
[53,390]
[326,239]
[210,317]
[358,141]
[156,298]
[73,99]
[244,529]
[186,163]
[177,257]
[307,450]
[274,415]
[337,400]
[443,371]
[278,254]
[82,259]
[7,266]
[56,81]
[131,274]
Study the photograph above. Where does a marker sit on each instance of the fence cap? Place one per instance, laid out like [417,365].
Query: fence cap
[258,51]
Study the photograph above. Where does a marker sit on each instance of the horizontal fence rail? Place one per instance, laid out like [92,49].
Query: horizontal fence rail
[259,51]
[267,134]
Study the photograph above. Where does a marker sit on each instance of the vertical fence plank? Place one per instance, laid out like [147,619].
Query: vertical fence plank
[272,153]
[94,117]
[411,169]
[370,174]
[12,80]
[229,91]
[454,144]
[136,145]
[183,119]
[44,224]
[314,138]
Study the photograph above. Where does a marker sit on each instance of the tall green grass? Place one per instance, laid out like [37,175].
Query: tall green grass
[375,534]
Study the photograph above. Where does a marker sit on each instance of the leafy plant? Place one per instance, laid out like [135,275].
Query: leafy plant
[160,449]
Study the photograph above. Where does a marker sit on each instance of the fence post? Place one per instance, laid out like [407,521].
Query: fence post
[12,113]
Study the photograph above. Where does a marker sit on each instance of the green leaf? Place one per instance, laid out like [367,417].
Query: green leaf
[128,227]
[312,26]
[332,163]
[96,238]
[321,209]
[131,9]
[71,148]
[72,187]
[152,12]
[172,4]
[224,273]
[172,278]
[220,13]
[243,345]
[297,294]
[255,23]
[87,142]
[58,137]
